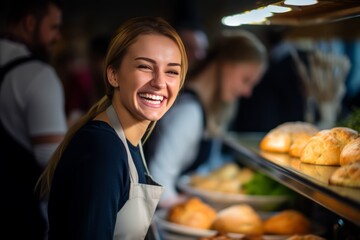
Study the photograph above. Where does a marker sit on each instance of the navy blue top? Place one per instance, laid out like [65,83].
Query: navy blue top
[91,184]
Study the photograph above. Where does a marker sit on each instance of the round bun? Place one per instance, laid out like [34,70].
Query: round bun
[240,218]
[287,222]
[325,147]
[227,178]
[193,213]
[350,152]
[219,236]
[289,137]
[347,175]
[319,172]
[305,237]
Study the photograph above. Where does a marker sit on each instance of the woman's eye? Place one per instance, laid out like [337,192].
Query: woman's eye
[173,72]
[144,67]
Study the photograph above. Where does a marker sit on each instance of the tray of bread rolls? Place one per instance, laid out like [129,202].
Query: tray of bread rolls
[231,183]
[195,219]
[323,164]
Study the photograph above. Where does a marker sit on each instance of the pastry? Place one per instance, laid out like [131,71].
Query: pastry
[289,137]
[219,236]
[305,237]
[193,213]
[228,178]
[240,218]
[347,175]
[320,172]
[226,171]
[287,222]
[325,147]
[350,152]
[224,236]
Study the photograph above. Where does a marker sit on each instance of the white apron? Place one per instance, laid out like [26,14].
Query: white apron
[134,218]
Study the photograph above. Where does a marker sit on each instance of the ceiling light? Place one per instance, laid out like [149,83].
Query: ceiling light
[300,2]
[277,9]
[255,16]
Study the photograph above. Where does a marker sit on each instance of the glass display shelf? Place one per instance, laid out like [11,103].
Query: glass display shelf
[307,179]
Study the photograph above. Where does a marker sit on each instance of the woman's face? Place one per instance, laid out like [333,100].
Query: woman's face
[149,77]
[239,79]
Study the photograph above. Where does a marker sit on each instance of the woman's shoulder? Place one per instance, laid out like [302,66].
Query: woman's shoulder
[98,134]
[97,139]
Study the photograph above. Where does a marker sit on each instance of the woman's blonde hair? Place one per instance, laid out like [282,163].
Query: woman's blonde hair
[123,38]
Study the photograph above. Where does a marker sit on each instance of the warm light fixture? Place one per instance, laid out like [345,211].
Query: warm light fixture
[255,16]
[277,9]
[300,2]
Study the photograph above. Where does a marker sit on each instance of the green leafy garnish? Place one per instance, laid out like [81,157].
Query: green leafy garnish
[261,184]
[352,120]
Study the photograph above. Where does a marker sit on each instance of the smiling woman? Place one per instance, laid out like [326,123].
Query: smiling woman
[96,175]
[150,71]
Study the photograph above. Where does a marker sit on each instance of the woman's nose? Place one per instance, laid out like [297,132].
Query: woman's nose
[158,81]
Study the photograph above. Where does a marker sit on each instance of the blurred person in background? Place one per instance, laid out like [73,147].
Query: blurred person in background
[97,181]
[183,139]
[188,25]
[82,75]
[279,97]
[79,88]
[32,116]
[195,41]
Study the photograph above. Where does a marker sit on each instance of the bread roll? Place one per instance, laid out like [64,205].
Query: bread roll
[287,222]
[204,182]
[228,178]
[193,213]
[347,175]
[305,237]
[240,218]
[219,236]
[350,152]
[320,172]
[299,140]
[225,172]
[224,236]
[289,137]
[325,147]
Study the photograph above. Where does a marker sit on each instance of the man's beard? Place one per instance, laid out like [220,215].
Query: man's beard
[39,49]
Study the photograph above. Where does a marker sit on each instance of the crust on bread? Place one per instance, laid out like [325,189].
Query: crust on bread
[240,218]
[305,237]
[347,175]
[287,222]
[289,137]
[350,152]
[193,213]
[325,147]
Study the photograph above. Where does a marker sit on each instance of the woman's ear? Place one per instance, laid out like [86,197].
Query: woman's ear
[112,76]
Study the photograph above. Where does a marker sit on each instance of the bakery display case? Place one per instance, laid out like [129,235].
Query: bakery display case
[309,180]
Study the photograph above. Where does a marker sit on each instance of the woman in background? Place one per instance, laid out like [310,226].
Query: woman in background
[97,181]
[183,139]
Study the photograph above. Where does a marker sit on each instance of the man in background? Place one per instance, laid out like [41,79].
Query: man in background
[32,116]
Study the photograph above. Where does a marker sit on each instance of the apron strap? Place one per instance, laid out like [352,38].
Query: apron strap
[134,178]
[143,158]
